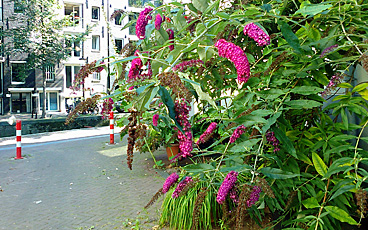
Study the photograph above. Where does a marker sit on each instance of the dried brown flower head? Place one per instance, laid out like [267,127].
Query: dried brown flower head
[90,104]
[197,207]
[361,201]
[154,198]
[241,211]
[174,82]
[266,188]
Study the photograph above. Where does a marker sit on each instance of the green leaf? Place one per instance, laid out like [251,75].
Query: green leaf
[319,165]
[360,87]
[223,15]
[201,5]
[204,96]
[146,97]
[340,215]
[179,20]
[270,94]
[245,145]
[306,90]
[344,118]
[310,203]
[195,168]
[285,142]
[124,60]
[276,173]
[303,104]
[290,37]
[312,9]
[345,85]
[271,121]
[168,101]
[341,191]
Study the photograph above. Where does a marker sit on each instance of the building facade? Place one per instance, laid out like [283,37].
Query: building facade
[106,39]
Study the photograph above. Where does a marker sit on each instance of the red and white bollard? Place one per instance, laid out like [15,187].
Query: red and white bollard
[111,128]
[18,127]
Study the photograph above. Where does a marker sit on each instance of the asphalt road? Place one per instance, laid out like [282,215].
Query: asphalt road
[77,183]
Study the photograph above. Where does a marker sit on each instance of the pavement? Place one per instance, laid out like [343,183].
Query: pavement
[28,116]
[75,180]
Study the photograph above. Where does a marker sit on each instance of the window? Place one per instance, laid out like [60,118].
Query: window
[118,18]
[95,42]
[50,73]
[119,43]
[95,13]
[18,7]
[70,72]
[51,101]
[21,102]
[73,11]
[18,73]
[75,48]
[96,76]
[132,27]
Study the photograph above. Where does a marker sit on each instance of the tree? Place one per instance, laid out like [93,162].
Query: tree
[39,35]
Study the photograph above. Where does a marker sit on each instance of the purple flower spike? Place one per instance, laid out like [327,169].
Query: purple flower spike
[257,34]
[226,186]
[237,133]
[328,50]
[155,119]
[171,36]
[208,132]
[181,186]
[235,54]
[254,196]
[158,22]
[181,67]
[172,179]
[135,69]
[142,21]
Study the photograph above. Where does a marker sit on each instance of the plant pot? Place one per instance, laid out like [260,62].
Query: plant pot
[172,150]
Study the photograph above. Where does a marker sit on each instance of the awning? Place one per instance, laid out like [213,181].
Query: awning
[20,90]
[50,89]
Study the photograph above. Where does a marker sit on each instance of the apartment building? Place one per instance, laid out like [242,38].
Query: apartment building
[105,39]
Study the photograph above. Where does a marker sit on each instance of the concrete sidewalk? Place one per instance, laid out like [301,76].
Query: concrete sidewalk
[70,183]
[28,116]
[59,135]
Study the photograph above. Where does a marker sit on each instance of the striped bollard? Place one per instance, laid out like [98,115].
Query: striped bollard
[18,127]
[111,128]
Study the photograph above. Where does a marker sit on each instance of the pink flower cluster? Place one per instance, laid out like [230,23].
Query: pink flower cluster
[237,133]
[170,180]
[226,186]
[208,132]
[270,136]
[171,37]
[158,21]
[182,108]
[328,50]
[254,196]
[135,68]
[155,119]
[235,54]
[106,107]
[181,67]
[181,186]
[234,195]
[257,34]
[334,81]
[100,68]
[142,21]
